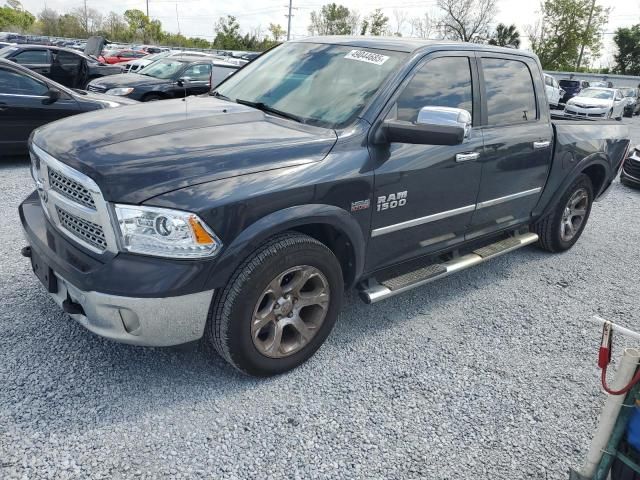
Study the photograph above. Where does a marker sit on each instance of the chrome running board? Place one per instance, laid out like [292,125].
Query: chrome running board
[375,291]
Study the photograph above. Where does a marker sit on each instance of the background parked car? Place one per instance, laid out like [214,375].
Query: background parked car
[595,102]
[632,107]
[29,100]
[572,88]
[134,66]
[602,84]
[630,174]
[70,68]
[554,92]
[119,56]
[170,77]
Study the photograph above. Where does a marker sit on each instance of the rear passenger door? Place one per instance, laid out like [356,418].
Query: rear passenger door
[517,142]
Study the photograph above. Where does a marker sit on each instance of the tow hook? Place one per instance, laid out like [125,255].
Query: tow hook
[26,251]
[72,308]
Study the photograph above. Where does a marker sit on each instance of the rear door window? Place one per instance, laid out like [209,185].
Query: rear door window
[33,57]
[509,91]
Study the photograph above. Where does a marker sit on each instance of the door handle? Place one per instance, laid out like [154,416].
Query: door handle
[467,157]
[541,145]
[3,107]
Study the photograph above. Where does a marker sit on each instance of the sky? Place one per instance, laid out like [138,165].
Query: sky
[198,17]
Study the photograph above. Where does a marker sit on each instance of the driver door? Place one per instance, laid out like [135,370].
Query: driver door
[425,195]
[197,79]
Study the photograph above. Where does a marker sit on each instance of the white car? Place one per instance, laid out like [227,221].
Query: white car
[597,103]
[133,66]
[554,91]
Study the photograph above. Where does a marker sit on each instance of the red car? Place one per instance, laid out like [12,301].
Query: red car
[118,56]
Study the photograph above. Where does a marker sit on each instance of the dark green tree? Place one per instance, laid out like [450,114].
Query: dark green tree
[505,36]
[375,23]
[627,57]
[568,33]
[228,33]
[332,19]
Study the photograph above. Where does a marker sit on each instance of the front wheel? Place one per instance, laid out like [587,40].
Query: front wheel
[561,228]
[279,306]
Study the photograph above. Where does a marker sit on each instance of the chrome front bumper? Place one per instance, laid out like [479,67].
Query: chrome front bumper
[155,322]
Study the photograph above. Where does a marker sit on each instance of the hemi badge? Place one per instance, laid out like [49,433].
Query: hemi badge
[360,205]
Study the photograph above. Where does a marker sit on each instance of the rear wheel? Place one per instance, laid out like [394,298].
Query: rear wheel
[561,228]
[279,306]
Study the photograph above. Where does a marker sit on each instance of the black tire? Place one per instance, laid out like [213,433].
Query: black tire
[152,97]
[228,327]
[549,227]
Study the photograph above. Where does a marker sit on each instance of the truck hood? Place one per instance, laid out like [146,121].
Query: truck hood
[139,151]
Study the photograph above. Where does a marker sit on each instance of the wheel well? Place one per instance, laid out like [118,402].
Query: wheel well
[337,242]
[597,174]
[152,94]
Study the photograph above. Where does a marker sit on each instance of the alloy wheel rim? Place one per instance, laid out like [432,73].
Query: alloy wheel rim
[574,214]
[290,311]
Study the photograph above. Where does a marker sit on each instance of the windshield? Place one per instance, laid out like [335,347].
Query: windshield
[595,93]
[164,68]
[325,85]
[629,92]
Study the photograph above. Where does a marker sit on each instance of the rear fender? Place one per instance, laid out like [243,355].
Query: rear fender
[599,158]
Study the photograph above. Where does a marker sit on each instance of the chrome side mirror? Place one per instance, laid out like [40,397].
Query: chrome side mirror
[446,117]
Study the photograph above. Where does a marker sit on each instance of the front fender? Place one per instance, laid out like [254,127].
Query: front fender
[280,221]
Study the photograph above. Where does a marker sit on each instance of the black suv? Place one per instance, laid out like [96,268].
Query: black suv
[68,67]
[170,77]
[572,88]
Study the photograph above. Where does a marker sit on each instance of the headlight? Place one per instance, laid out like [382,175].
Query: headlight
[165,233]
[119,91]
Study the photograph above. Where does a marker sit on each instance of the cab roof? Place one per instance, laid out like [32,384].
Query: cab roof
[408,45]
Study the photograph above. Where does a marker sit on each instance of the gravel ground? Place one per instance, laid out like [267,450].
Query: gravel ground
[487,374]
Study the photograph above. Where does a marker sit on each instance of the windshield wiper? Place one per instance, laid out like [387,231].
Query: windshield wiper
[269,109]
[217,94]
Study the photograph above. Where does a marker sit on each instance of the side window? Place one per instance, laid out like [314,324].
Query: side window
[15,83]
[68,61]
[40,57]
[219,74]
[199,72]
[441,82]
[510,93]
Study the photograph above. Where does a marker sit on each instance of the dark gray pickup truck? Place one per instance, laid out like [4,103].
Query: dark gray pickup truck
[242,215]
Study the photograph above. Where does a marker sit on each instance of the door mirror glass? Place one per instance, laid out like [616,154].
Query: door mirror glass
[446,117]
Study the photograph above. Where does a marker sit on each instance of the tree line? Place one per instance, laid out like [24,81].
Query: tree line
[566,36]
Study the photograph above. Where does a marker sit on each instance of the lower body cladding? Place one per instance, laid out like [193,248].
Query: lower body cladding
[153,322]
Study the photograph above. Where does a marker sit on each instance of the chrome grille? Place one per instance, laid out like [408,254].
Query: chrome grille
[73,203]
[70,189]
[83,229]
